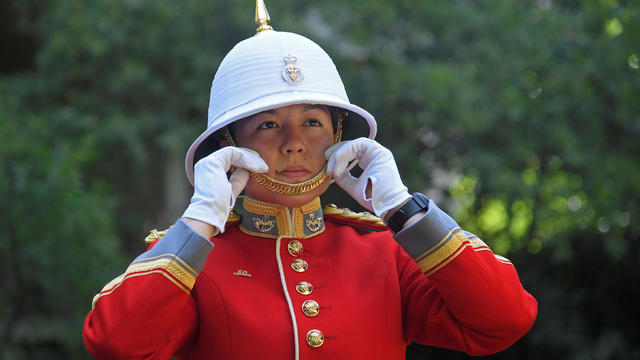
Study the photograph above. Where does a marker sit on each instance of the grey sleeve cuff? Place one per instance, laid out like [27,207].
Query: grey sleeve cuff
[428,233]
[183,243]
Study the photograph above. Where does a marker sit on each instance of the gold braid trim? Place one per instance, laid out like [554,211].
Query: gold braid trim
[287,188]
[170,266]
[338,135]
[313,205]
[226,135]
[365,216]
[155,235]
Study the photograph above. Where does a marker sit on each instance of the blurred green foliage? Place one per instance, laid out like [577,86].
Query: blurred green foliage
[521,119]
[57,237]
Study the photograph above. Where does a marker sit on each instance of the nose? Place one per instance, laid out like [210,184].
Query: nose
[293,142]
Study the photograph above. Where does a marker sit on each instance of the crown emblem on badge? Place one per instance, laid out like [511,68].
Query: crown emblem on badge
[291,73]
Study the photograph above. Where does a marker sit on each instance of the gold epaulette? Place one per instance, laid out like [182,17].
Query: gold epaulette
[365,216]
[233,216]
[155,235]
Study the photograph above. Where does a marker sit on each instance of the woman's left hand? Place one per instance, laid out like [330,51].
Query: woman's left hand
[379,188]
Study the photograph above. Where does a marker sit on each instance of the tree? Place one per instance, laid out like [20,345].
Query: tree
[57,237]
[520,119]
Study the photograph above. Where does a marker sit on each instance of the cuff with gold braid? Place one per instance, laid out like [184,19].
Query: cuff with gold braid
[434,240]
[179,256]
[182,244]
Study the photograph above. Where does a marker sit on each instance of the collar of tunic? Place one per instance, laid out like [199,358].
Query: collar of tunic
[272,221]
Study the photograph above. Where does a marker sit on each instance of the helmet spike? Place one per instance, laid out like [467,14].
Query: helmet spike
[262,17]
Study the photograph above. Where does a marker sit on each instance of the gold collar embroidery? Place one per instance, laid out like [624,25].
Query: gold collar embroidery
[271,220]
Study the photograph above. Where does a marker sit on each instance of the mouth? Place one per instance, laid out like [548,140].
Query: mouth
[294,173]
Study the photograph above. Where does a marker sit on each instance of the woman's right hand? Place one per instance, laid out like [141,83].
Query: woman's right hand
[214,195]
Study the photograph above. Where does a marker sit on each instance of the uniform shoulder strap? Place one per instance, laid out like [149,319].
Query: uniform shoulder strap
[232,220]
[233,217]
[361,220]
[155,234]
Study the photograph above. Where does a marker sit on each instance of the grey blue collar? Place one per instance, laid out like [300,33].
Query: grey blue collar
[272,221]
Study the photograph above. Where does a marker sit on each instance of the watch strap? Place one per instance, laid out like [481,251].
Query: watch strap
[417,203]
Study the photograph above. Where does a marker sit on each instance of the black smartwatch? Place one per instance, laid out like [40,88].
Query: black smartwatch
[418,202]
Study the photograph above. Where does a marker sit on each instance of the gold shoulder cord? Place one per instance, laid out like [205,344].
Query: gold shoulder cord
[155,235]
[364,216]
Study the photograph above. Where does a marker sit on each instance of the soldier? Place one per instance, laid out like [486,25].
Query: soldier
[288,279]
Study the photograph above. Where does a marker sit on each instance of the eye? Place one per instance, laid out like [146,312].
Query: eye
[313,122]
[267,125]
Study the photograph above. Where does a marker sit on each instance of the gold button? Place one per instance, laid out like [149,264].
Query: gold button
[304,288]
[315,338]
[310,308]
[299,265]
[295,247]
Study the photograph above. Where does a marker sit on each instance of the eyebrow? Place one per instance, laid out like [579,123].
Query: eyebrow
[270,112]
[305,109]
[316,106]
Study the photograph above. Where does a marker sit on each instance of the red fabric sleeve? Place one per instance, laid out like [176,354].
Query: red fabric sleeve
[472,300]
[148,311]
[145,316]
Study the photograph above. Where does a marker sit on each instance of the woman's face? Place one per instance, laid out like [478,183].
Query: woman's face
[291,140]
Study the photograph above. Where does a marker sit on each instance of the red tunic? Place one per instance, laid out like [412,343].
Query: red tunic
[365,296]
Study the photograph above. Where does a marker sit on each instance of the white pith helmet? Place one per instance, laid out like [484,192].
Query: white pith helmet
[270,70]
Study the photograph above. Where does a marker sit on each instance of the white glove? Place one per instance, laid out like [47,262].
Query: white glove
[214,195]
[387,189]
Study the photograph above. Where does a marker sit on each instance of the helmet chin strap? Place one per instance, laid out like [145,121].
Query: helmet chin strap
[286,188]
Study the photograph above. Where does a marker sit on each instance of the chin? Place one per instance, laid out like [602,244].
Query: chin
[258,192]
